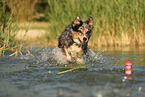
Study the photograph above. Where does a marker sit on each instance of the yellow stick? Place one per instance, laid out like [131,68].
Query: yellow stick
[72,69]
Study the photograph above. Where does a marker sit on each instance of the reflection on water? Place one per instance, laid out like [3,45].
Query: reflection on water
[35,74]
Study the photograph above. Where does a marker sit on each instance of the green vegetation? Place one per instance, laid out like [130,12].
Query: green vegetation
[28,10]
[116,22]
[8,32]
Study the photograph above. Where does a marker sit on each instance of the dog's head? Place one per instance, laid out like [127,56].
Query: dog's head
[82,30]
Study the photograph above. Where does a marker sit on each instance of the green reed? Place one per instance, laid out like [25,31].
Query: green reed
[116,22]
[8,32]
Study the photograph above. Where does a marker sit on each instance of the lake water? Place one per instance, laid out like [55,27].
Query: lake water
[35,74]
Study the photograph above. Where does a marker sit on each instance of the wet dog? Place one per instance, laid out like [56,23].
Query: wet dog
[74,39]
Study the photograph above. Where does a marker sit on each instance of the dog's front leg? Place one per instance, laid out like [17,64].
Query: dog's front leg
[67,54]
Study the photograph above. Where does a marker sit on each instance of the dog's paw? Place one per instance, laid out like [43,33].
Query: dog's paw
[68,58]
[80,61]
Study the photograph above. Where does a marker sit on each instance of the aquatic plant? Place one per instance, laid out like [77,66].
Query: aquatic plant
[116,22]
[8,32]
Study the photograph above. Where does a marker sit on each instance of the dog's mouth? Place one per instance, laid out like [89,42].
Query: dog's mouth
[84,41]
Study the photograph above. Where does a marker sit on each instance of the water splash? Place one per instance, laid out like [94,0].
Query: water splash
[55,57]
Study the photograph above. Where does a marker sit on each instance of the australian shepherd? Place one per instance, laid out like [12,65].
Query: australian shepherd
[74,39]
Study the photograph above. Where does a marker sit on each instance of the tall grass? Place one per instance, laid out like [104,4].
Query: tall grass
[25,9]
[116,22]
[8,32]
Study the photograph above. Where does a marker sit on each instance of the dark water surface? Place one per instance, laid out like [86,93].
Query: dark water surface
[35,74]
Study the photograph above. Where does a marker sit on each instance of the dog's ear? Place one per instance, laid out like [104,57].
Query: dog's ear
[77,21]
[90,22]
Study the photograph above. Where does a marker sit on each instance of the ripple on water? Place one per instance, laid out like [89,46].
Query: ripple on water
[35,74]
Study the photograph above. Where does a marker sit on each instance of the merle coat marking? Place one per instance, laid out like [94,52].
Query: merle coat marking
[74,39]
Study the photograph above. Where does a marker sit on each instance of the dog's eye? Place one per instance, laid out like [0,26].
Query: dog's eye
[87,30]
[80,29]
[80,32]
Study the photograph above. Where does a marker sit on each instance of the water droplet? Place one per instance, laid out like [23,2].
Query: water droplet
[60,92]
[139,89]
[27,67]
[99,95]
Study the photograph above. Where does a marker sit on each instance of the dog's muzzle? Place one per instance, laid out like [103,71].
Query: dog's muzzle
[84,40]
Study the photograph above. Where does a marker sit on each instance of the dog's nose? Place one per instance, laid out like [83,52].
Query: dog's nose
[84,38]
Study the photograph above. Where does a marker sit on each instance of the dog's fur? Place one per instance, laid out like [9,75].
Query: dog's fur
[74,39]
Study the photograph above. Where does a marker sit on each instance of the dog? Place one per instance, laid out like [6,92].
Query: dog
[74,39]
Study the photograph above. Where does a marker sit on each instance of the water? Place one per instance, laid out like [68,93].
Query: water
[35,74]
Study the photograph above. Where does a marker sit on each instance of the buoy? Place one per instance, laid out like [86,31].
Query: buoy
[128,67]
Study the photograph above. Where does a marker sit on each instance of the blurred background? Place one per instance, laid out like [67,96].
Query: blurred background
[40,22]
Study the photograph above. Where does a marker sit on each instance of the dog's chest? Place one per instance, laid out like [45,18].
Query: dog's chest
[75,49]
